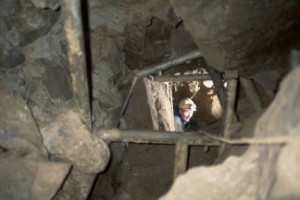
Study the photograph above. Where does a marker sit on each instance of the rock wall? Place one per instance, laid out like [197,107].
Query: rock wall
[251,36]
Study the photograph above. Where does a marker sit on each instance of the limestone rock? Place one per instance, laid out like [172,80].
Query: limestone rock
[280,119]
[52,4]
[114,17]
[50,46]
[76,186]
[68,138]
[268,80]
[47,76]
[288,174]
[29,23]
[106,70]
[107,64]
[19,132]
[48,90]
[248,35]
[30,179]
[13,80]
[235,179]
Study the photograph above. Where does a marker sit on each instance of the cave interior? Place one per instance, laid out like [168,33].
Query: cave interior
[89,88]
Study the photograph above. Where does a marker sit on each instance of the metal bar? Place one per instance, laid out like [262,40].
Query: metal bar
[169,63]
[230,106]
[156,137]
[132,84]
[181,158]
[251,93]
[275,140]
[183,78]
[76,52]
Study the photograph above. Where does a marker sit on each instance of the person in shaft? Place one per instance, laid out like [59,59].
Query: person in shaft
[183,113]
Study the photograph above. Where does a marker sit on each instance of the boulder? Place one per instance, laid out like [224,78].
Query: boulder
[19,132]
[250,35]
[69,139]
[23,179]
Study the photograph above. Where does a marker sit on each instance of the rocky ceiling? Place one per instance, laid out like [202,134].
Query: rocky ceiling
[251,36]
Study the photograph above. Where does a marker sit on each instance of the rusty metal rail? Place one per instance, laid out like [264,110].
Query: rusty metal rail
[182,78]
[132,84]
[181,141]
[156,137]
[77,59]
[168,64]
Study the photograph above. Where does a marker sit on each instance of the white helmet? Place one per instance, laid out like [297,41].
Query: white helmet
[187,103]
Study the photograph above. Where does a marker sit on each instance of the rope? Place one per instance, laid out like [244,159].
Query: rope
[268,140]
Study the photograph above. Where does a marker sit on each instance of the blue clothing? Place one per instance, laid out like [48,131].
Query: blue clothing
[180,124]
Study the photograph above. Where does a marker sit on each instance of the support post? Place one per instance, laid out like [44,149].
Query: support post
[231,77]
[77,59]
[218,82]
[251,93]
[183,78]
[181,158]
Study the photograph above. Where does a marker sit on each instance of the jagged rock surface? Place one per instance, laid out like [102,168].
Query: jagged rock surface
[249,35]
[68,138]
[23,179]
[21,23]
[19,133]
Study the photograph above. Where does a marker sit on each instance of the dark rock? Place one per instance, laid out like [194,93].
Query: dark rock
[134,45]
[57,83]
[77,186]
[247,35]
[10,57]
[30,179]
[69,139]
[44,108]
[269,80]
[13,80]
[47,75]
[22,23]
[19,130]
[106,67]
[181,41]
[9,7]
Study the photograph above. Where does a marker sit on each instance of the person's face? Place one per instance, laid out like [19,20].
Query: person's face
[186,114]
